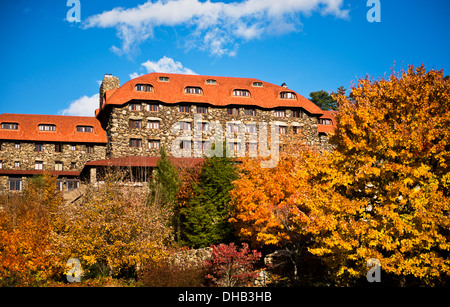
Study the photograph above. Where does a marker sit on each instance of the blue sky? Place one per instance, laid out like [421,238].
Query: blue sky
[52,66]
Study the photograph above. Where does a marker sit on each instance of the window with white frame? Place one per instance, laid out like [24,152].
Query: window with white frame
[154,144]
[153,124]
[45,127]
[280,113]
[153,107]
[58,166]
[193,90]
[185,126]
[241,93]
[134,107]
[144,88]
[38,165]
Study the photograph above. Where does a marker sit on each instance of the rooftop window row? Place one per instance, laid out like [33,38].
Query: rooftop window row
[45,127]
[199,91]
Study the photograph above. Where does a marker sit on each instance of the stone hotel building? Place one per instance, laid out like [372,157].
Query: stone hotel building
[184,113]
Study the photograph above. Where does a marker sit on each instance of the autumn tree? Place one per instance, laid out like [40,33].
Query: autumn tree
[231,266]
[393,152]
[113,231]
[26,222]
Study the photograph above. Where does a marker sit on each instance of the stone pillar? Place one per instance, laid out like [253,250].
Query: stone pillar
[93,175]
[109,83]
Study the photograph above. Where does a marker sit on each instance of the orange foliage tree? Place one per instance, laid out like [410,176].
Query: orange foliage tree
[382,193]
[26,221]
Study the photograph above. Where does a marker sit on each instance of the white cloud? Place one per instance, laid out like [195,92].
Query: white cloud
[165,64]
[84,106]
[216,27]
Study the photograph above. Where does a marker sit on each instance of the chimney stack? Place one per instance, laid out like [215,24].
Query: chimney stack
[109,83]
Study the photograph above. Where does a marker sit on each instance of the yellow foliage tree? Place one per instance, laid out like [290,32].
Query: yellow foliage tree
[382,193]
[113,230]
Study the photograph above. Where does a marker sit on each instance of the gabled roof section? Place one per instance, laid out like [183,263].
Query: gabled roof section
[328,128]
[219,94]
[66,129]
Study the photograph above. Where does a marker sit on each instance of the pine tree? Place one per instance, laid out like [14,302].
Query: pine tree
[164,188]
[206,217]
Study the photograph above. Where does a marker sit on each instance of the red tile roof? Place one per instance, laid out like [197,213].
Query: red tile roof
[66,128]
[220,94]
[144,161]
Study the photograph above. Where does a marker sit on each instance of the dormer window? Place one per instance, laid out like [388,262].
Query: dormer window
[211,81]
[288,95]
[10,126]
[257,84]
[45,127]
[241,93]
[163,79]
[85,129]
[324,121]
[144,88]
[193,90]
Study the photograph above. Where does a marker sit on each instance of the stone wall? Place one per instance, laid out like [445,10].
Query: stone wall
[27,156]
[119,132]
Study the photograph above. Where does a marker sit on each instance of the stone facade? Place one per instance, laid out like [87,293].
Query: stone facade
[72,156]
[195,127]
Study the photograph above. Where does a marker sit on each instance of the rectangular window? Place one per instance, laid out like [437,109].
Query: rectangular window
[287,95]
[164,79]
[211,81]
[59,185]
[233,111]
[184,109]
[17,145]
[144,88]
[257,84]
[10,126]
[250,128]
[231,128]
[58,147]
[72,184]
[16,164]
[73,147]
[39,147]
[134,107]
[152,107]
[136,143]
[153,124]
[154,144]
[241,93]
[1,164]
[297,113]
[58,166]
[185,145]
[202,110]
[234,146]
[47,128]
[15,184]
[323,121]
[280,113]
[185,126]
[249,112]
[135,124]
[39,165]
[89,149]
[282,129]
[85,129]
[295,130]
[192,90]
[202,126]
[203,145]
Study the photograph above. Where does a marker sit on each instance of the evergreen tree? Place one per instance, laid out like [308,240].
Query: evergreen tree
[206,217]
[164,188]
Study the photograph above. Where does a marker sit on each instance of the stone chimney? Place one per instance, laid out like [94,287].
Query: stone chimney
[109,83]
